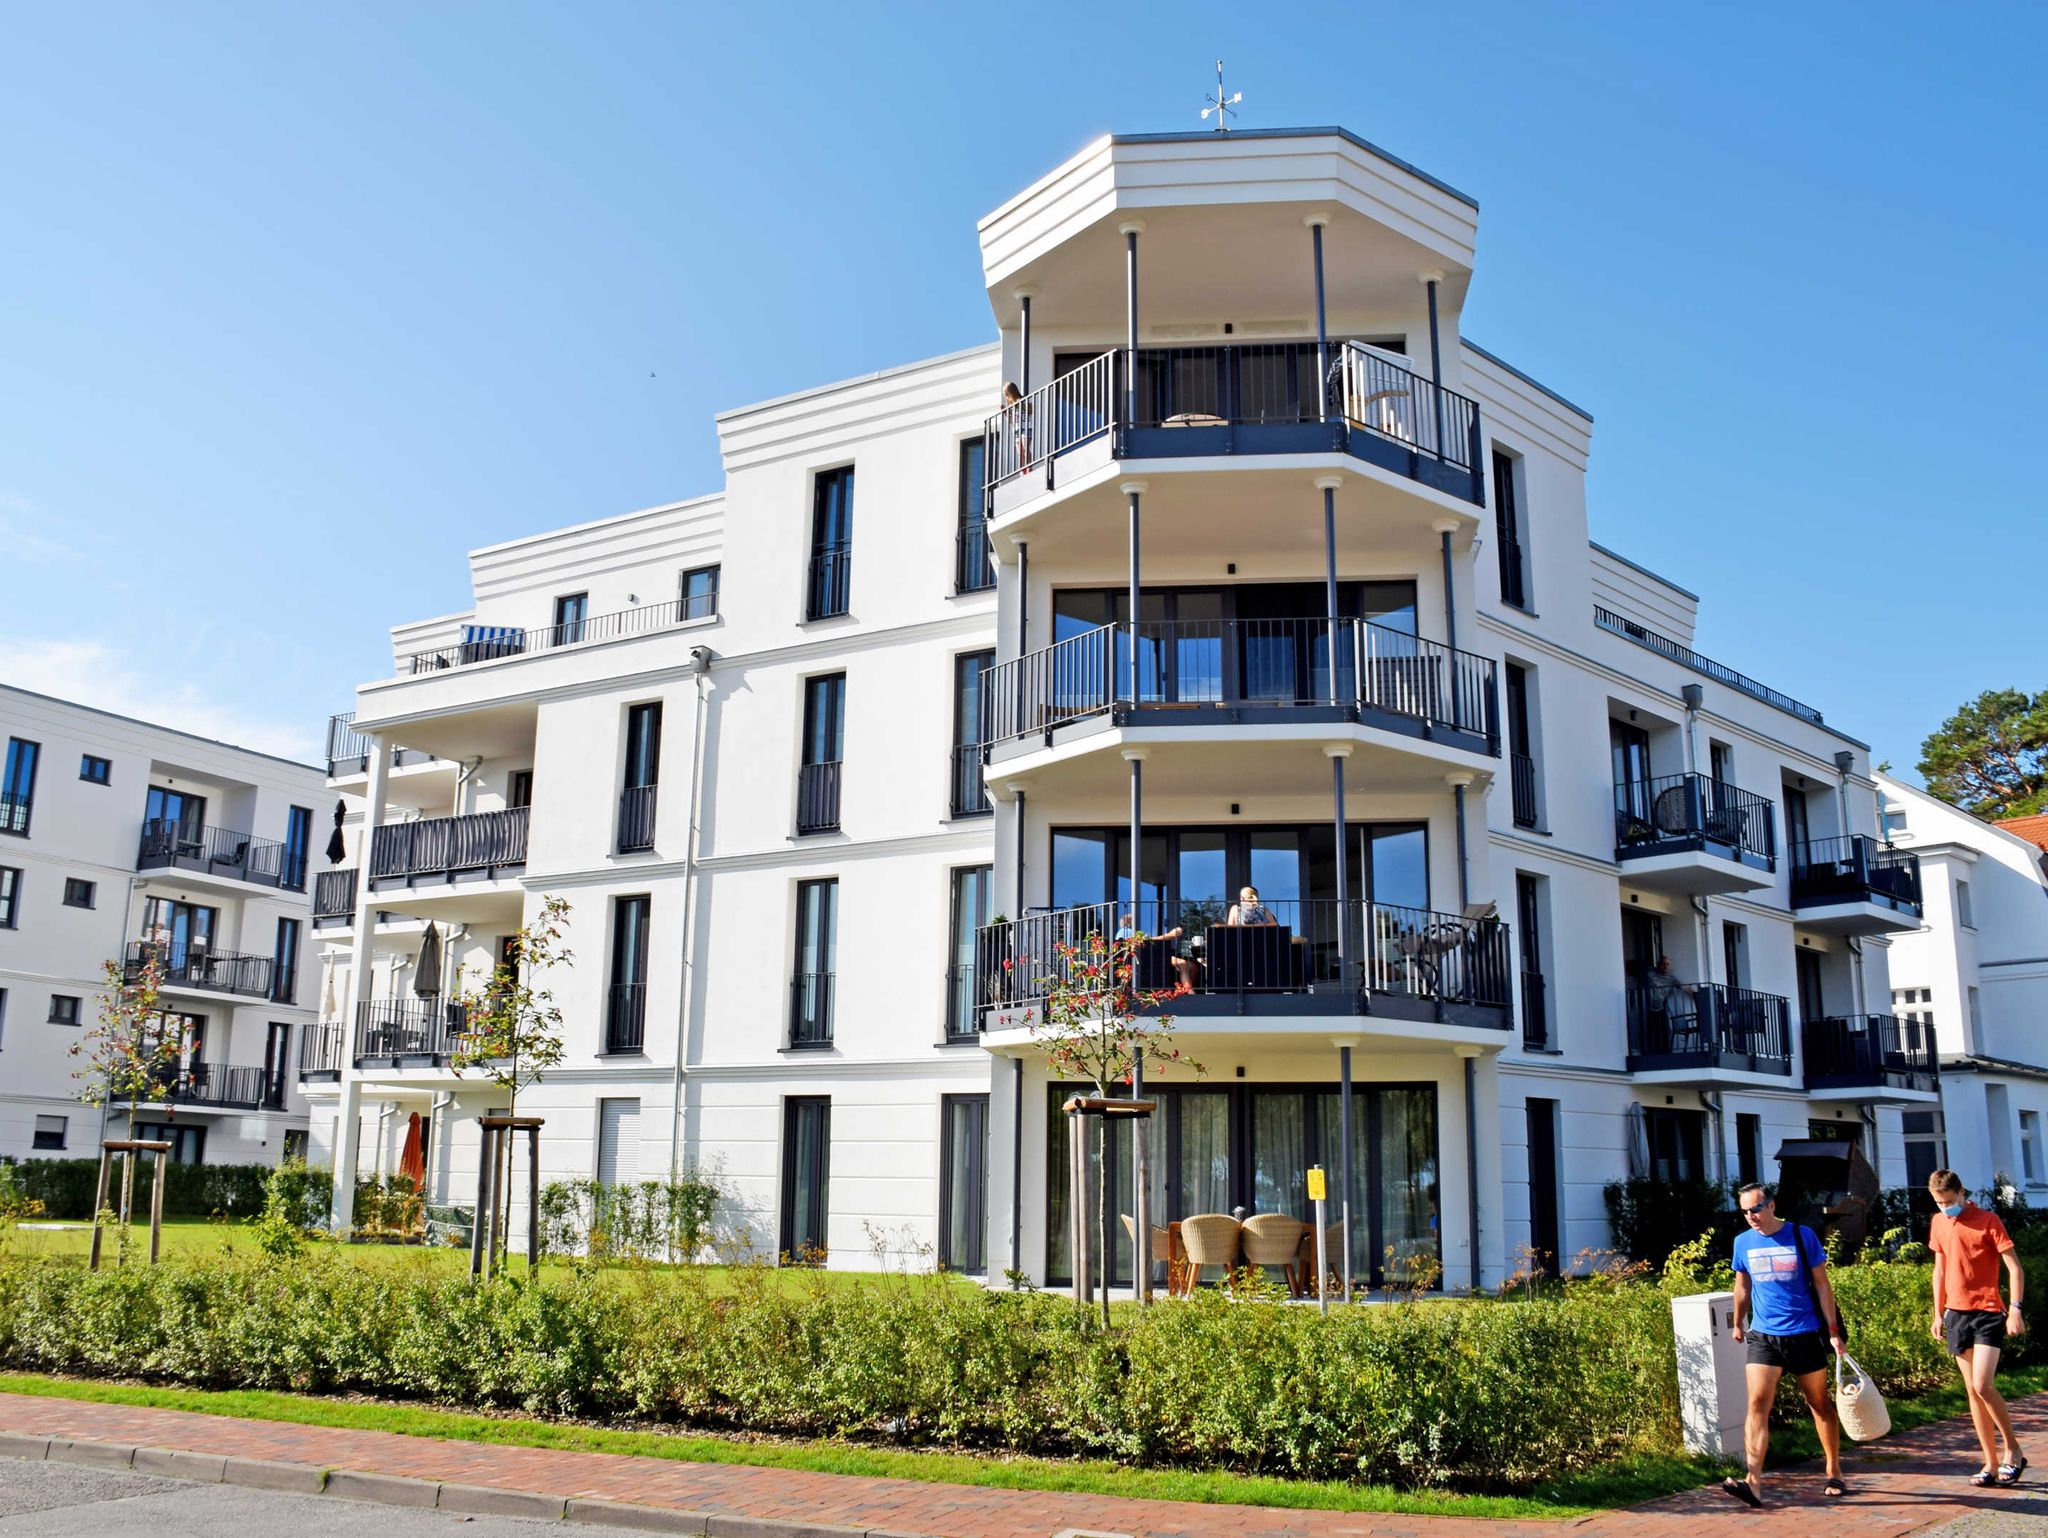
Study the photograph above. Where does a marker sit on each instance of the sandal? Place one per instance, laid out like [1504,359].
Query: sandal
[1834,1487]
[1984,1479]
[1738,1489]
[2009,1473]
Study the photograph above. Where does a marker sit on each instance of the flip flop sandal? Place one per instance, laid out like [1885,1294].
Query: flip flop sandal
[2009,1473]
[1983,1479]
[1738,1489]
[1834,1487]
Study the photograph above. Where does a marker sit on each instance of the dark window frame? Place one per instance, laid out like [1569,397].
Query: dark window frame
[18,785]
[572,615]
[625,1016]
[40,1138]
[284,961]
[828,587]
[968,794]
[686,601]
[518,789]
[76,1016]
[961,940]
[10,896]
[95,770]
[816,935]
[974,564]
[975,1262]
[1511,532]
[80,893]
[817,1178]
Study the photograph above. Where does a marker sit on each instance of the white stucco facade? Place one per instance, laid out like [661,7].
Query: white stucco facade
[112,830]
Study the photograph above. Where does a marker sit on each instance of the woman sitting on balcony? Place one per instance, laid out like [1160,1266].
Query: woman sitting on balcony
[1184,969]
[1249,910]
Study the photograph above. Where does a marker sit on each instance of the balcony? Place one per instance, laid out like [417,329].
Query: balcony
[348,750]
[334,896]
[810,1009]
[817,798]
[481,844]
[1870,1057]
[1686,835]
[220,854]
[1606,619]
[1855,886]
[191,967]
[970,792]
[1696,1033]
[1233,403]
[489,643]
[399,1031]
[625,1018]
[636,818]
[320,1051]
[1321,957]
[1231,673]
[229,1087]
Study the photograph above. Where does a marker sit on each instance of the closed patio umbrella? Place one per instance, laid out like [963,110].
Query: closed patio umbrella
[426,977]
[337,846]
[412,1159]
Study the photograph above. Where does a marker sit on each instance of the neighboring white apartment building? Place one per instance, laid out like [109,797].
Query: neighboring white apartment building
[113,833]
[1977,973]
[1478,828]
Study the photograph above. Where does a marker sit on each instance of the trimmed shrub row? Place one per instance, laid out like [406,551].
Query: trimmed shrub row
[65,1187]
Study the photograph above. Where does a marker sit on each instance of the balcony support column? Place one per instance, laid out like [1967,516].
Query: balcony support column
[1024,341]
[1338,754]
[1135,757]
[348,1120]
[1436,360]
[1328,484]
[1134,490]
[1023,597]
[1315,223]
[1458,784]
[1016,791]
[1131,230]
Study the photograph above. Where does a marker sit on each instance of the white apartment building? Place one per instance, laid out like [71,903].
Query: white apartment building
[115,833]
[1976,975]
[1272,578]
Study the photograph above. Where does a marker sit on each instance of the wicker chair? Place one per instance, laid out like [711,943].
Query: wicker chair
[1333,1257]
[1164,1251]
[1273,1239]
[1208,1240]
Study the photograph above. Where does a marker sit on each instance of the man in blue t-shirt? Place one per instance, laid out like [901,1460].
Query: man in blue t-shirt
[1785,1314]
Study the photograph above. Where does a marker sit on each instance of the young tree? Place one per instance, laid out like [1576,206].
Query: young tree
[130,1055]
[512,1025]
[1991,757]
[1093,1022]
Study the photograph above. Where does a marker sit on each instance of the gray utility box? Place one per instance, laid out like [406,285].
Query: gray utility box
[1712,1393]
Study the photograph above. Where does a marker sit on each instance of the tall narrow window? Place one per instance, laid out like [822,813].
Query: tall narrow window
[298,839]
[1749,1147]
[970,794]
[806,1175]
[572,610]
[963,1183]
[817,786]
[1529,929]
[700,593]
[1735,955]
[1544,1183]
[642,777]
[817,923]
[974,569]
[176,818]
[828,587]
[1521,750]
[10,897]
[18,785]
[625,1021]
[1965,914]
[1508,532]
[972,885]
[284,969]
[519,789]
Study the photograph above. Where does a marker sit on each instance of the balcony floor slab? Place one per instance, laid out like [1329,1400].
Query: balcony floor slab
[1874,916]
[1693,873]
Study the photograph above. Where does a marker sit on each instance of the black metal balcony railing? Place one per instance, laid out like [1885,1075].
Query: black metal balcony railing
[1349,949]
[636,818]
[1522,779]
[828,589]
[1535,1013]
[348,750]
[963,1020]
[974,568]
[1078,406]
[1244,665]
[1397,403]
[229,1085]
[14,813]
[1870,1052]
[625,1017]
[1707,667]
[401,1028]
[1708,1025]
[1678,812]
[437,846]
[192,966]
[817,797]
[1855,869]
[810,1009]
[168,844]
[1514,579]
[334,893]
[486,643]
[319,1049]
[970,791]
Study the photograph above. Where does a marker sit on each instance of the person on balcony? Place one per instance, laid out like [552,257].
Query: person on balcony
[1248,910]
[1018,416]
[1185,970]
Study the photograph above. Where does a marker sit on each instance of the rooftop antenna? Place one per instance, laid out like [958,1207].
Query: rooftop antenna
[1225,107]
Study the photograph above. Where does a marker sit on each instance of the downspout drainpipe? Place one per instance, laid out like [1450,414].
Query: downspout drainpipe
[701,658]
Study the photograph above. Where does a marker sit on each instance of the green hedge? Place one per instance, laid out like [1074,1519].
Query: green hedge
[65,1187]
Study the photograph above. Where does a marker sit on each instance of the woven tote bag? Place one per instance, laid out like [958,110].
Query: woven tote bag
[1858,1403]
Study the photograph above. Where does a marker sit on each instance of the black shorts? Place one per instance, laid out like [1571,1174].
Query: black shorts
[1968,1327]
[1797,1354]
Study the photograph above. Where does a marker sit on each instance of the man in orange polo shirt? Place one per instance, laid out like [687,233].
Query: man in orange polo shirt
[1968,1244]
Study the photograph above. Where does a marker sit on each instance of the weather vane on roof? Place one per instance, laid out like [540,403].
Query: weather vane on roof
[1225,107]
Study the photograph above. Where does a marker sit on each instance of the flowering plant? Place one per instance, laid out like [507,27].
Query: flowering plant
[1095,1023]
[132,1053]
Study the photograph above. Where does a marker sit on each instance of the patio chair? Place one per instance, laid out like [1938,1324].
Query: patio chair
[1273,1239]
[1164,1252]
[1333,1259]
[1208,1240]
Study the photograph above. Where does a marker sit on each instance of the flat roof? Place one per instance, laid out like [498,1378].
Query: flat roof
[1204,135]
[1616,555]
[1533,383]
[158,726]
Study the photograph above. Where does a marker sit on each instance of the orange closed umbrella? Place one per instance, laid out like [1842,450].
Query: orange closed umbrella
[412,1163]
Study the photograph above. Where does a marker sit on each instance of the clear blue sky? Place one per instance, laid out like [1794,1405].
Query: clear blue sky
[300,303]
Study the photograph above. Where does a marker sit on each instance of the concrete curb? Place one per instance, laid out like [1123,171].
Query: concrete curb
[401,1490]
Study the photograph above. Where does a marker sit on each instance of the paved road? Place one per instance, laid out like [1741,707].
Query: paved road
[62,1500]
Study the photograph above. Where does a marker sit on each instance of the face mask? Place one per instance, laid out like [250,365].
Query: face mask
[1952,1212]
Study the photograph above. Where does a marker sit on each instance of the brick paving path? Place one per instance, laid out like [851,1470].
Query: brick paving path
[1904,1484]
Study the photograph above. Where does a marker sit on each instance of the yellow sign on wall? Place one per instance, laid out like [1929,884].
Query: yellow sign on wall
[1316,1192]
